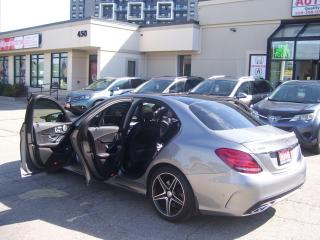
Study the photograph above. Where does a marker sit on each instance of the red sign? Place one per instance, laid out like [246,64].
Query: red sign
[15,43]
[305,7]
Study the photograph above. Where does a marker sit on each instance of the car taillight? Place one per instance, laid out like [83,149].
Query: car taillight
[238,160]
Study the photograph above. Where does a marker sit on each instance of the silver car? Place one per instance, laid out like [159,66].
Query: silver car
[247,89]
[189,154]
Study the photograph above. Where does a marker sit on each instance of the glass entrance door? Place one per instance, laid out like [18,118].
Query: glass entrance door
[307,70]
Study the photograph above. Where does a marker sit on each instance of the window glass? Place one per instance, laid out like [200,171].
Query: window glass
[131,68]
[164,10]
[59,70]
[261,87]
[177,87]
[191,83]
[4,69]
[215,87]
[312,30]
[37,70]
[122,84]
[221,116]
[246,88]
[153,86]
[291,30]
[19,69]
[107,10]
[114,115]
[282,50]
[281,71]
[308,93]
[307,50]
[47,111]
[136,82]
[100,84]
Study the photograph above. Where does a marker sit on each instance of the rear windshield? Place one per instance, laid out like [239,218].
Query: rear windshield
[215,87]
[222,116]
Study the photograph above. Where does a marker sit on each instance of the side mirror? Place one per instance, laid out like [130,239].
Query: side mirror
[241,95]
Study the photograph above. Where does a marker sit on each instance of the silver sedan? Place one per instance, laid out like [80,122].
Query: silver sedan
[189,154]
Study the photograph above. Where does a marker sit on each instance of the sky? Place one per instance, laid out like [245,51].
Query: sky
[16,14]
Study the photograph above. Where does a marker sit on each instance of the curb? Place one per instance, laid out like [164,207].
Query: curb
[13,99]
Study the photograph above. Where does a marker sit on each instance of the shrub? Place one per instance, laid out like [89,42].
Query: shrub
[16,90]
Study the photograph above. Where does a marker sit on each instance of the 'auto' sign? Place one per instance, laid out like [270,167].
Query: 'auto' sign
[305,7]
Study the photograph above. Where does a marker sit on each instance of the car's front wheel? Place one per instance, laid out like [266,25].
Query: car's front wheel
[316,148]
[171,194]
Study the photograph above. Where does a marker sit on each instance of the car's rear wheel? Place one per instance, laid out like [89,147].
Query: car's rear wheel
[171,194]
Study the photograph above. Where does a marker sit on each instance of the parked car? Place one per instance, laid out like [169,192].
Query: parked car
[246,89]
[169,85]
[79,101]
[187,153]
[294,106]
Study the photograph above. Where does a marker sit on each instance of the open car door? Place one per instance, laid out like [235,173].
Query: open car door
[44,136]
[99,140]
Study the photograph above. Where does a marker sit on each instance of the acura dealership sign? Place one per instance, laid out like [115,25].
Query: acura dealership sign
[305,7]
[22,42]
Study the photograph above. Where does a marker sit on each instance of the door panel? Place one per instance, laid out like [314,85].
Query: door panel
[44,136]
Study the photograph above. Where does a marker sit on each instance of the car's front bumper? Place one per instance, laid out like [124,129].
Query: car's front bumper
[306,132]
[237,194]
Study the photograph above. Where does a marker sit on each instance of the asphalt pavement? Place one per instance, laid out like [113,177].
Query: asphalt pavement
[62,206]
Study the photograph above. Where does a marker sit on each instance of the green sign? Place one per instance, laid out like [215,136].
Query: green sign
[282,50]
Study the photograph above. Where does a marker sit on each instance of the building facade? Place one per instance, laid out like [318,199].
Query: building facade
[277,40]
[142,12]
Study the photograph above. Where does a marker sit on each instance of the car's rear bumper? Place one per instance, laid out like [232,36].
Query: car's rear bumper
[237,194]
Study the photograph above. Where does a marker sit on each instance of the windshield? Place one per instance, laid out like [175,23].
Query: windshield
[222,116]
[215,87]
[100,84]
[295,93]
[153,86]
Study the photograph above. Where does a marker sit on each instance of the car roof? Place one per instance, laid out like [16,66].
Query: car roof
[176,78]
[302,82]
[239,79]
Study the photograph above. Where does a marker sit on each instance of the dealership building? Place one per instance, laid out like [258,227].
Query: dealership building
[278,40]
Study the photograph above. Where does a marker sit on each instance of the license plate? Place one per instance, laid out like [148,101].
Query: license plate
[67,105]
[284,157]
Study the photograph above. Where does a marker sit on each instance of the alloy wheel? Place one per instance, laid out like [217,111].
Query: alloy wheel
[168,194]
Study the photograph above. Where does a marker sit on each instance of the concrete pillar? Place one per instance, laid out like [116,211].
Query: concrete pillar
[28,67]
[70,71]
[11,69]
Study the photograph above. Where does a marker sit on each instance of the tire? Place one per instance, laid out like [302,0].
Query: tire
[171,194]
[316,148]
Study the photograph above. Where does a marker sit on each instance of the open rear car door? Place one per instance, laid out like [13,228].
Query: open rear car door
[44,136]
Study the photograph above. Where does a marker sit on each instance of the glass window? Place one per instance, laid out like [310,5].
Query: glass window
[107,10]
[246,88]
[165,10]
[59,70]
[4,69]
[291,30]
[191,83]
[46,110]
[308,50]
[177,87]
[112,116]
[100,84]
[135,10]
[131,69]
[221,116]
[311,31]
[153,86]
[19,69]
[136,82]
[121,84]
[281,71]
[282,50]
[36,70]
[215,87]
[302,93]
[261,87]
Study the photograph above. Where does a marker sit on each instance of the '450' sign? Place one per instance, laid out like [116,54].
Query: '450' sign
[82,33]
